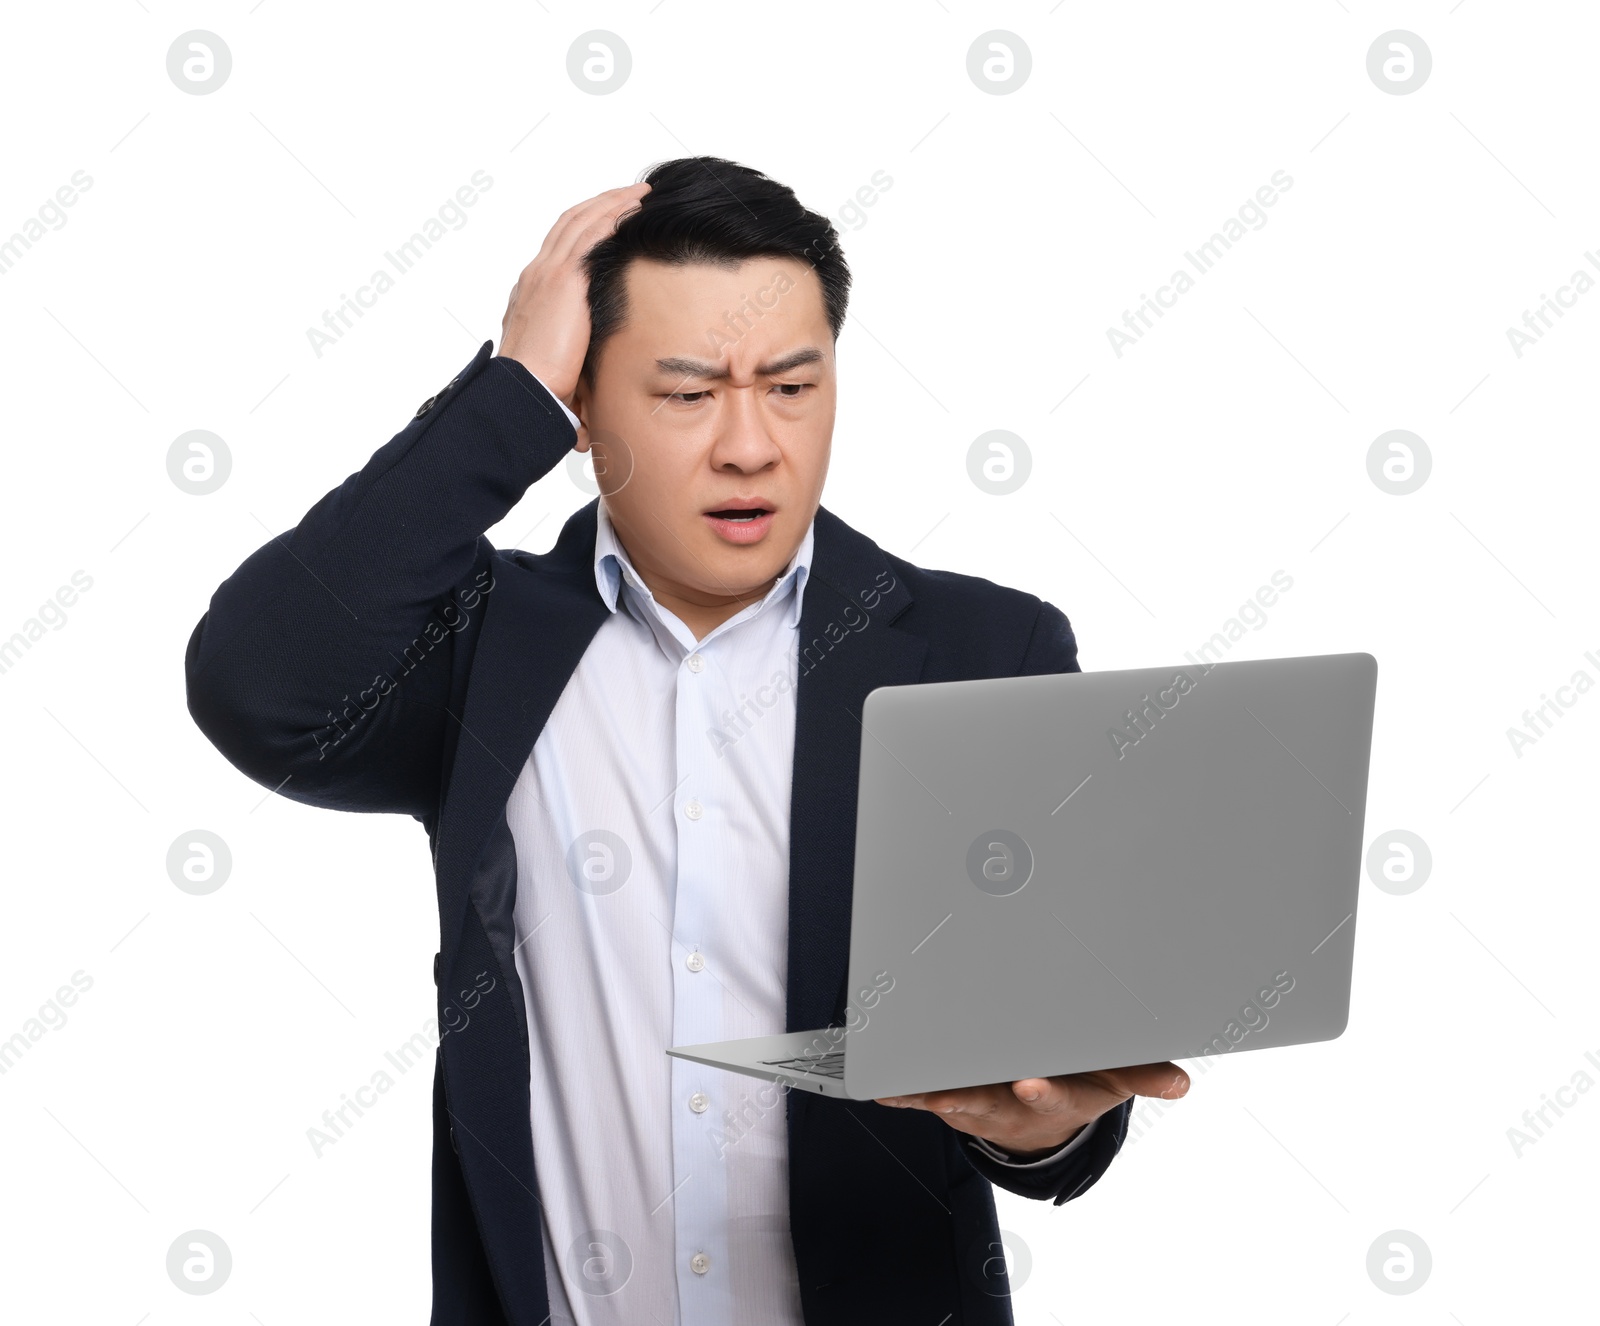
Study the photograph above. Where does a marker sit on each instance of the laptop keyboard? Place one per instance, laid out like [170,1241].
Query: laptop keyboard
[824,1065]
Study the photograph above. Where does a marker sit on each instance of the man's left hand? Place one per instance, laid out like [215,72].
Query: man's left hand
[1032,1117]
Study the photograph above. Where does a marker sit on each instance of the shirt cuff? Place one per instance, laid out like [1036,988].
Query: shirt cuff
[570,416]
[995,1153]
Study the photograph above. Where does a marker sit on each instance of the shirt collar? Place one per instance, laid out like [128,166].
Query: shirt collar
[611,567]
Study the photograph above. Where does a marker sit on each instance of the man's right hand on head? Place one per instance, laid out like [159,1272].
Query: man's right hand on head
[546,324]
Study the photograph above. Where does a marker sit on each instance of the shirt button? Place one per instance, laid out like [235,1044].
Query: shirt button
[699,1101]
[694,810]
[699,1263]
[695,961]
[696,663]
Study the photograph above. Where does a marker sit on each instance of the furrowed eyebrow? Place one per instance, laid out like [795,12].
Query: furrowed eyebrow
[680,366]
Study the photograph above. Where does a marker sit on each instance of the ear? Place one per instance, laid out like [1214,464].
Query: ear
[580,407]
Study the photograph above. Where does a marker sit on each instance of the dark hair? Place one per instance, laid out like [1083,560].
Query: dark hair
[708,210]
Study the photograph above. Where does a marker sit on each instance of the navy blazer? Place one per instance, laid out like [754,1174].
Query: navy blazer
[382,656]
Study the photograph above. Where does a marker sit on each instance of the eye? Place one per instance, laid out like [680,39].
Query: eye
[789,391]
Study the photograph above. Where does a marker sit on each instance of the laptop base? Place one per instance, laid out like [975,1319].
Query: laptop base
[806,1060]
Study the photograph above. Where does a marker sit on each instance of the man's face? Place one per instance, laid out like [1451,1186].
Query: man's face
[695,413]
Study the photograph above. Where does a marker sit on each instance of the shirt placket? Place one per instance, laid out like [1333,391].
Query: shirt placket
[700,1172]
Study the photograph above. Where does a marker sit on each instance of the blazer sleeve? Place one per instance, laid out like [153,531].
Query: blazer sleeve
[323,665]
[1052,647]
[1058,1179]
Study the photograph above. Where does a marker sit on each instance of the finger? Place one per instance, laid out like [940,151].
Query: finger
[557,239]
[936,1101]
[579,228]
[1165,1080]
[982,1109]
[1041,1094]
[597,216]
[602,225]
[1071,1094]
[983,1103]
[987,1111]
[599,201]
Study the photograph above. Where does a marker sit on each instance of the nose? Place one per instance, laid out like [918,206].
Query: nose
[744,440]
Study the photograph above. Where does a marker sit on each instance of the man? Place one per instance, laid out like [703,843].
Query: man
[636,760]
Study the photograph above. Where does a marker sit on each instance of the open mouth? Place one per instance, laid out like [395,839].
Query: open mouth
[740,525]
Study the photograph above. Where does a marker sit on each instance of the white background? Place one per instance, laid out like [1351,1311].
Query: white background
[1168,484]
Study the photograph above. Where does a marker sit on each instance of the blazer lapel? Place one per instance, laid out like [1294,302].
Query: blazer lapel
[540,617]
[539,621]
[848,647]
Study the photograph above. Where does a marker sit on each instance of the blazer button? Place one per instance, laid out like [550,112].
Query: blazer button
[425,407]
[436,971]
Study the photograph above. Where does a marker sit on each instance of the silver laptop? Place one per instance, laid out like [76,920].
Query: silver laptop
[1088,870]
